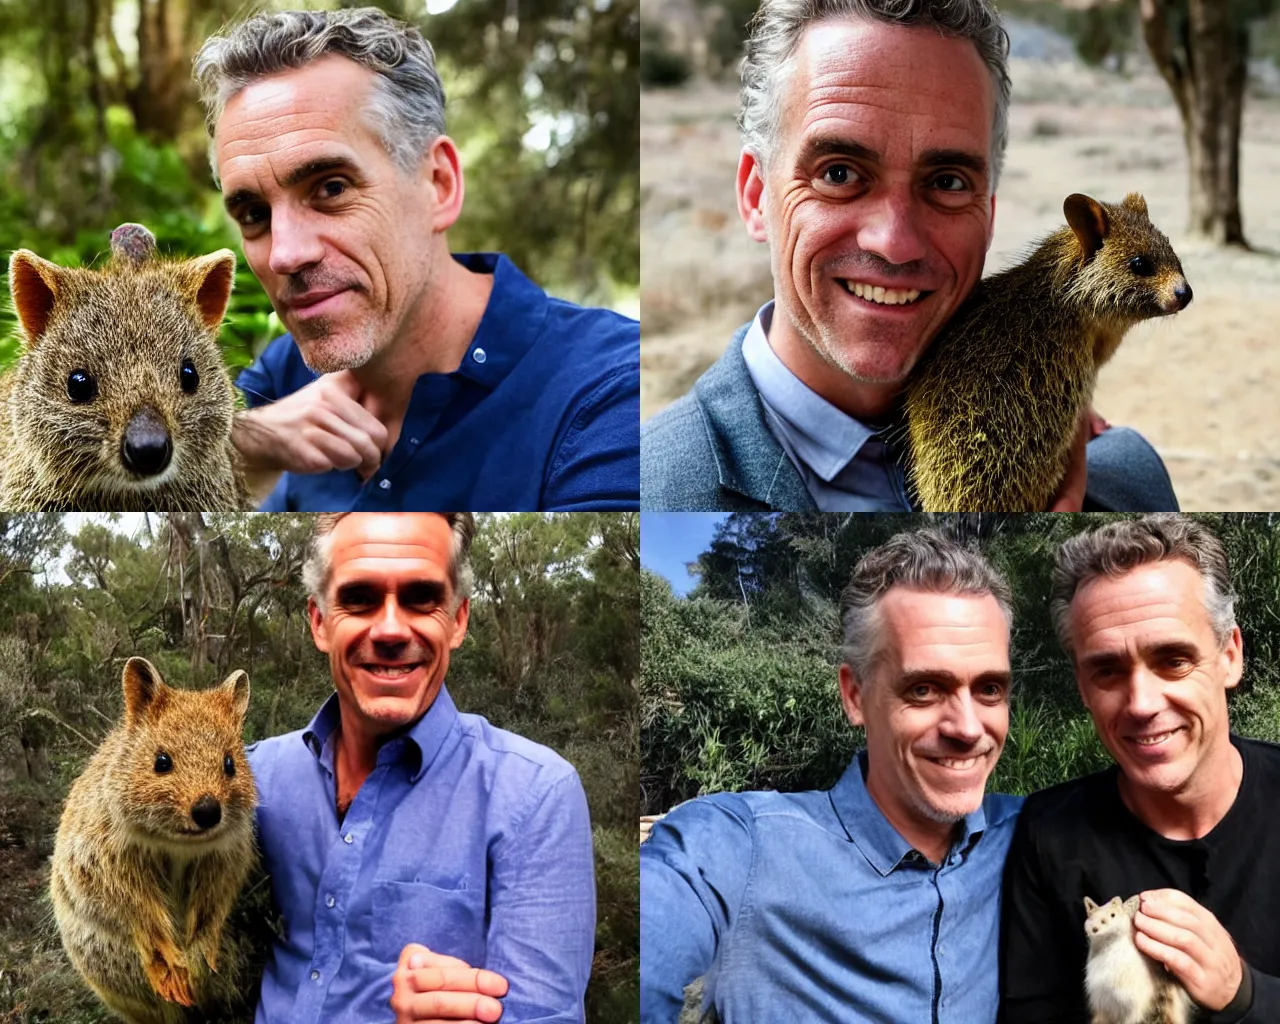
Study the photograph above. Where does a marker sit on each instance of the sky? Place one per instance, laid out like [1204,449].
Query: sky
[668,540]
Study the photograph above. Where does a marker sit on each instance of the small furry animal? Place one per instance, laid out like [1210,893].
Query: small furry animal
[993,405]
[1124,985]
[155,842]
[120,401]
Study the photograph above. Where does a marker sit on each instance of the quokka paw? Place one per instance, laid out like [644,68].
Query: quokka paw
[170,981]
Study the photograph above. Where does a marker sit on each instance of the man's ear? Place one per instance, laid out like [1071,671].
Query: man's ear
[751,196]
[443,172]
[851,695]
[460,619]
[1234,653]
[316,617]
[991,223]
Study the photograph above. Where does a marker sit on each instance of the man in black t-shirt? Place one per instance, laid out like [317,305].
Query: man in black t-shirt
[1145,610]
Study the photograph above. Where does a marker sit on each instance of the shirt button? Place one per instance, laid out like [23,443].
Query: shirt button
[385,484]
[413,440]
[315,975]
[329,901]
[347,839]
[479,356]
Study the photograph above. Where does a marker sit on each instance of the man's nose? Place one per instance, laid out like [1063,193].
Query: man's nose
[1146,693]
[891,228]
[960,721]
[390,627]
[295,243]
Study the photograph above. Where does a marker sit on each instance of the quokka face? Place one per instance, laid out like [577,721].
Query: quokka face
[187,783]
[1116,915]
[121,376]
[1130,270]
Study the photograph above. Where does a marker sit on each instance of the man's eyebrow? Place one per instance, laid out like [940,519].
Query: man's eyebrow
[301,173]
[830,145]
[954,158]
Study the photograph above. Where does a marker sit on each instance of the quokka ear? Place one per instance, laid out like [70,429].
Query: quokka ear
[1089,905]
[207,281]
[1131,904]
[34,285]
[144,691]
[1088,219]
[1136,203]
[236,686]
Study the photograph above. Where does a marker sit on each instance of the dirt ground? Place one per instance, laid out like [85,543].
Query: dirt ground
[1202,386]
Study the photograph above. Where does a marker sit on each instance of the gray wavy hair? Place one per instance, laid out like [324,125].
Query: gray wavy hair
[778,25]
[1120,547]
[406,107]
[318,568]
[926,560]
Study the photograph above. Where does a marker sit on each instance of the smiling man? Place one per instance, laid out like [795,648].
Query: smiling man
[873,133]
[419,857]
[411,379]
[1145,608]
[879,899]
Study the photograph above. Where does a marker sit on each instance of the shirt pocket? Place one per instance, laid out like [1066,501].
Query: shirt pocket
[448,921]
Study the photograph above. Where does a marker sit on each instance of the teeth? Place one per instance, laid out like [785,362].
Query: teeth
[961,765]
[1151,741]
[883,296]
[390,670]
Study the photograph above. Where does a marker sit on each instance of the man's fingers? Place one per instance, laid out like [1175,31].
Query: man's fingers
[410,950]
[457,979]
[354,435]
[352,412]
[452,1006]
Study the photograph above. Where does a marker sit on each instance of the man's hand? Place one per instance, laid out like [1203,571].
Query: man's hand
[429,988]
[318,428]
[1070,496]
[1174,929]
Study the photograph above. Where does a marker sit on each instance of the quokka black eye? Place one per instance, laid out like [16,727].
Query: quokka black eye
[81,387]
[189,377]
[164,763]
[228,765]
[1142,266]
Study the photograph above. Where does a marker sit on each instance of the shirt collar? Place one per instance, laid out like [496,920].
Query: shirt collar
[825,438]
[870,830]
[419,745]
[513,320]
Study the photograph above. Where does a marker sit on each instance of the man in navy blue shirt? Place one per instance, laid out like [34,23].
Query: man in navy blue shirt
[419,857]
[411,379]
[876,901]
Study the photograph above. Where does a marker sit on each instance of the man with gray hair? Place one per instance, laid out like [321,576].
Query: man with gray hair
[876,900]
[411,378]
[1145,609]
[873,133]
[418,856]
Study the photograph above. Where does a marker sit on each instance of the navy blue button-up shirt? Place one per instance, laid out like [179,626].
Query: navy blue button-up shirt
[543,413]
[810,906]
[465,838]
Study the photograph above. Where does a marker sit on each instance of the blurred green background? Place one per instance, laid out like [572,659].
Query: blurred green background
[100,124]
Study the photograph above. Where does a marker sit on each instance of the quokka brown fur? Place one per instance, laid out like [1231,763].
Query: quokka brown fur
[154,845]
[993,406]
[121,400]
[1123,985]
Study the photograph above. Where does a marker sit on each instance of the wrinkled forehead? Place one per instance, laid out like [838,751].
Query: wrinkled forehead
[855,74]
[390,547]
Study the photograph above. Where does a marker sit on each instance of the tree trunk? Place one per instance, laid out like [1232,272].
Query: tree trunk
[1201,48]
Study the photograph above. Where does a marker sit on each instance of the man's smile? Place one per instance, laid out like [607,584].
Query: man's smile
[880,295]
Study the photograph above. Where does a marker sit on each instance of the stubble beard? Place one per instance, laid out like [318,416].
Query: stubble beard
[326,348]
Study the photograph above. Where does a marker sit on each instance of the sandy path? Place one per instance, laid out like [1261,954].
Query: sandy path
[1201,386]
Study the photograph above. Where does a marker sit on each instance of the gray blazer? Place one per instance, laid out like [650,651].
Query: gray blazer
[711,451]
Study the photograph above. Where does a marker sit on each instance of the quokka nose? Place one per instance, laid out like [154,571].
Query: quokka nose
[146,448]
[206,812]
[1183,294]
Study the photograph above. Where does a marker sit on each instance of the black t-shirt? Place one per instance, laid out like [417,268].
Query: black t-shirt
[1078,839]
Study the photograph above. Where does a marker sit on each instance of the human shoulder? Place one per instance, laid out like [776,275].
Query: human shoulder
[678,470]
[269,756]
[1063,815]
[1001,810]
[277,372]
[512,755]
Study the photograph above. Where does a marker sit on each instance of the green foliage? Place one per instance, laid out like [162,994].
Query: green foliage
[739,680]
[552,653]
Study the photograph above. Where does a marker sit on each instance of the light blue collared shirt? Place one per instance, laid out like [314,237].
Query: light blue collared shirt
[810,907]
[465,838]
[845,463]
